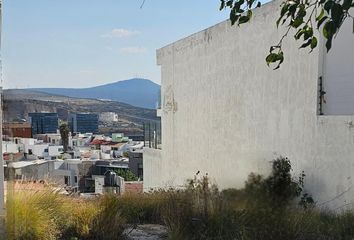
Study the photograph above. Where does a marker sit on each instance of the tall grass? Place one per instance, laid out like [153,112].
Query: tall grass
[33,214]
[39,212]
[268,208]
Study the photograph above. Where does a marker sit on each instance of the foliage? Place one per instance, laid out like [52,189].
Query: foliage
[64,133]
[279,188]
[127,174]
[304,16]
[31,215]
[41,213]
[137,208]
[109,224]
[125,154]
[268,208]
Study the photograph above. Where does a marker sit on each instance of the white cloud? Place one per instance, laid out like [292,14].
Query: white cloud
[133,50]
[120,33]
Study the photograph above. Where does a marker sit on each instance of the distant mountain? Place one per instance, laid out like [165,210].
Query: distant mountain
[137,92]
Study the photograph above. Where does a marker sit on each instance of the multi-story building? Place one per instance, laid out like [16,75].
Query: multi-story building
[23,130]
[108,117]
[83,123]
[42,123]
[226,113]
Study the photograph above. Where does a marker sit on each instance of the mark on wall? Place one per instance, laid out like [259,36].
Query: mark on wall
[169,103]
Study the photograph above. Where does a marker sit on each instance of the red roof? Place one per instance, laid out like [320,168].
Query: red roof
[100,142]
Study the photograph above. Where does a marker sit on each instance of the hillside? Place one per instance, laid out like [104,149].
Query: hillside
[18,103]
[137,92]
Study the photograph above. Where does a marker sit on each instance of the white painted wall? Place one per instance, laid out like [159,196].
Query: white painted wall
[55,151]
[37,149]
[99,183]
[108,117]
[10,147]
[225,113]
[338,73]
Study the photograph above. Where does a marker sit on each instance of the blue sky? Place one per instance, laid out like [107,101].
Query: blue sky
[83,43]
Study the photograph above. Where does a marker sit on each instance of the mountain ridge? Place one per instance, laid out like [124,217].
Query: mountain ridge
[136,92]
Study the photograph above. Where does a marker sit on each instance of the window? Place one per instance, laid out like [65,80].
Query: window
[75,179]
[67,180]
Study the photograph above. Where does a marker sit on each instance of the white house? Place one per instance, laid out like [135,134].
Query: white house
[67,172]
[108,117]
[10,147]
[55,151]
[225,113]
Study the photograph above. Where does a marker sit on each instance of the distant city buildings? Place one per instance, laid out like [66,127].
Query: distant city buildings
[83,123]
[93,164]
[42,123]
[108,117]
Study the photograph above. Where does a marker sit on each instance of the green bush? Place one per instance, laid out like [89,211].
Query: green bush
[127,174]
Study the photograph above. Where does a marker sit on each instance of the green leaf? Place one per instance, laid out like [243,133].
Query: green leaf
[284,9]
[243,19]
[229,3]
[328,5]
[321,15]
[337,14]
[249,14]
[301,12]
[328,29]
[299,33]
[297,22]
[250,3]
[292,10]
[313,43]
[222,5]
[233,17]
[275,57]
[306,44]
[308,33]
[272,57]
[347,4]
[319,23]
[329,44]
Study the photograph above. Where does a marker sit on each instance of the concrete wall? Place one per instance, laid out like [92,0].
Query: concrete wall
[225,113]
[42,171]
[338,72]
[154,167]
[9,147]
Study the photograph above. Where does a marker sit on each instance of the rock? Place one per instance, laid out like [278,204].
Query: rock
[146,232]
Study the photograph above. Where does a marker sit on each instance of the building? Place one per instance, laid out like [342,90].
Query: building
[119,137]
[83,123]
[30,170]
[108,117]
[23,130]
[52,138]
[225,113]
[42,123]
[136,162]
